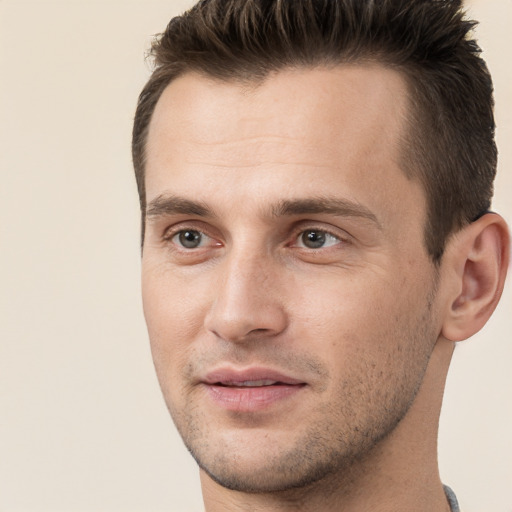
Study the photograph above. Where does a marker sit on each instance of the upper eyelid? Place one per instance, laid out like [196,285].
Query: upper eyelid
[170,231]
[323,230]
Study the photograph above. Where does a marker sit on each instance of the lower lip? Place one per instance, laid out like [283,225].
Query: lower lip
[250,399]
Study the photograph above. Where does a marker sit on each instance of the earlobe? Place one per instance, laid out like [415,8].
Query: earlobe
[479,256]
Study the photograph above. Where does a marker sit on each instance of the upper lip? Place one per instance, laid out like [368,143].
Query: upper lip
[234,376]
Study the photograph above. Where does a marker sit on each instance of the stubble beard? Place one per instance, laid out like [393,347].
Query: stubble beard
[331,450]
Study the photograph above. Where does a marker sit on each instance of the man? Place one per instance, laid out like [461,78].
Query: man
[315,180]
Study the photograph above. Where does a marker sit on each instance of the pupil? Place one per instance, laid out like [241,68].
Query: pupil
[190,239]
[313,239]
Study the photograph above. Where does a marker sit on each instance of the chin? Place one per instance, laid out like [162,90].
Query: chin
[279,465]
[268,478]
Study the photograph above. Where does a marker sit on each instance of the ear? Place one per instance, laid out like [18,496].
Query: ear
[477,257]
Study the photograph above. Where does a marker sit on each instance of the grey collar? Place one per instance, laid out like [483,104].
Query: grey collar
[452,499]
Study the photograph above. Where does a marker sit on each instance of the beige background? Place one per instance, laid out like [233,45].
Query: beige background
[82,423]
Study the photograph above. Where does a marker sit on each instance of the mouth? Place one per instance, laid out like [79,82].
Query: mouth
[250,384]
[250,390]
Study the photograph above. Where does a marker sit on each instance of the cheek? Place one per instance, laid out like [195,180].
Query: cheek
[342,302]
[368,312]
[172,299]
[174,311]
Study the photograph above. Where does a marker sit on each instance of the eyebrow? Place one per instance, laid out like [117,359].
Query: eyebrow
[164,205]
[324,205]
[173,205]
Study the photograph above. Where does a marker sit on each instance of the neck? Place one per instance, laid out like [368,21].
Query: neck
[400,474]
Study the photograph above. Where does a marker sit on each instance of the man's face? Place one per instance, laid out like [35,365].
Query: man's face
[287,291]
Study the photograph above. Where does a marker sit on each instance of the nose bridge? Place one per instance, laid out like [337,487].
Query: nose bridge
[247,301]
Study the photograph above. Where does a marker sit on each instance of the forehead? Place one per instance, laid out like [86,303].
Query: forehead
[300,132]
[318,106]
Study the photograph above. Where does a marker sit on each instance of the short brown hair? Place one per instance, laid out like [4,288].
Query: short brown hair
[450,144]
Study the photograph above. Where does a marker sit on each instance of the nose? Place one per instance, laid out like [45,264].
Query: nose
[248,303]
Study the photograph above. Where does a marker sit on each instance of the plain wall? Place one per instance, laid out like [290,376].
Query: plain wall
[83,426]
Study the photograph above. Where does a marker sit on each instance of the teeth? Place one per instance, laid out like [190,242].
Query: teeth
[253,383]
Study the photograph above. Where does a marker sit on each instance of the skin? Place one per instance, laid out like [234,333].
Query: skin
[364,320]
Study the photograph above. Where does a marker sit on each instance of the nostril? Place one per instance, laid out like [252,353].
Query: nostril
[259,331]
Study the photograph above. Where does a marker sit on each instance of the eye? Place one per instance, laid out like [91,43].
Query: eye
[190,239]
[316,239]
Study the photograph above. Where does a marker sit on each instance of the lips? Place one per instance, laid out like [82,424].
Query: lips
[251,383]
[250,390]
[256,376]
